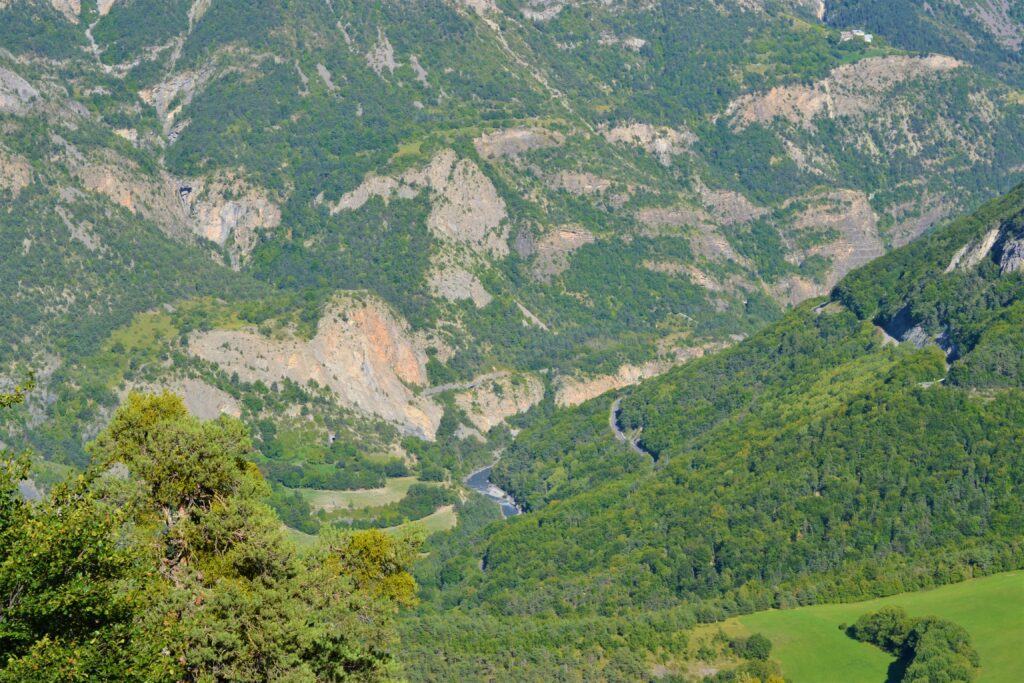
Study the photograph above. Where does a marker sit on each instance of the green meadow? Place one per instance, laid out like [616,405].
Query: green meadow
[811,647]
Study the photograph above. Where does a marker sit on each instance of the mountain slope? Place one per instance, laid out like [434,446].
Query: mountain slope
[569,196]
[820,460]
[987,32]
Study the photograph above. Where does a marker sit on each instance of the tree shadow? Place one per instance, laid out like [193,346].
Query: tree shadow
[898,669]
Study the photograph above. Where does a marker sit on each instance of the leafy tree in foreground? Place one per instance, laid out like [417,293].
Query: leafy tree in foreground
[163,563]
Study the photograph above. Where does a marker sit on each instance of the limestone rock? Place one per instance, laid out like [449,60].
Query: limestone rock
[660,141]
[16,94]
[512,142]
[970,255]
[362,351]
[177,90]
[489,403]
[201,400]
[382,55]
[466,208]
[554,249]
[579,183]
[240,218]
[847,212]
[851,89]
[1012,260]
[72,8]
[15,172]
[455,284]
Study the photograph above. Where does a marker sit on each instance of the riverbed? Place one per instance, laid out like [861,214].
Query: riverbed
[480,481]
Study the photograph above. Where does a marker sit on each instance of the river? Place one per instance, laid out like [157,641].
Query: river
[480,481]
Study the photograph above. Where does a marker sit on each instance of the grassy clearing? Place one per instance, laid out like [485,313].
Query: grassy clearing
[442,519]
[359,499]
[812,649]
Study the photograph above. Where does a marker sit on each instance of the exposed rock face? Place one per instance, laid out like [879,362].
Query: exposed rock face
[677,216]
[915,217]
[372,186]
[107,180]
[126,185]
[851,89]
[28,490]
[529,318]
[579,183]
[81,231]
[542,10]
[422,77]
[513,142]
[481,7]
[1012,260]
[659,141]
[917,336]
[727,207]
[361,351]
[970,255]
[554,249]
[325,76]
[704,238]
[470,211]
[196,11]
[15,172]
[162,95]
[72,8]
[455,284]
[633,43]
[489,403]
[382,55]
[466,208]
[713,246]
[850,214]
[571,391]
[241,218]
[696,275]
[204,401]
[16,94]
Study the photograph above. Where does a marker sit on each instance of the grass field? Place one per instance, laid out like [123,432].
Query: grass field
[442,519]
[812,649]
[359,499]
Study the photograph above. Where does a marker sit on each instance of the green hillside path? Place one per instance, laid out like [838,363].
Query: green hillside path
[812,649]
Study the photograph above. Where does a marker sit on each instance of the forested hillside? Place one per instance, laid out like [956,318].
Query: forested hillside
[820,460]
[496,202]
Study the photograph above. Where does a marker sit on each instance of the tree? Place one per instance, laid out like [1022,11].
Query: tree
[67,582]
[163,562]
[757,647]
[934,649]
